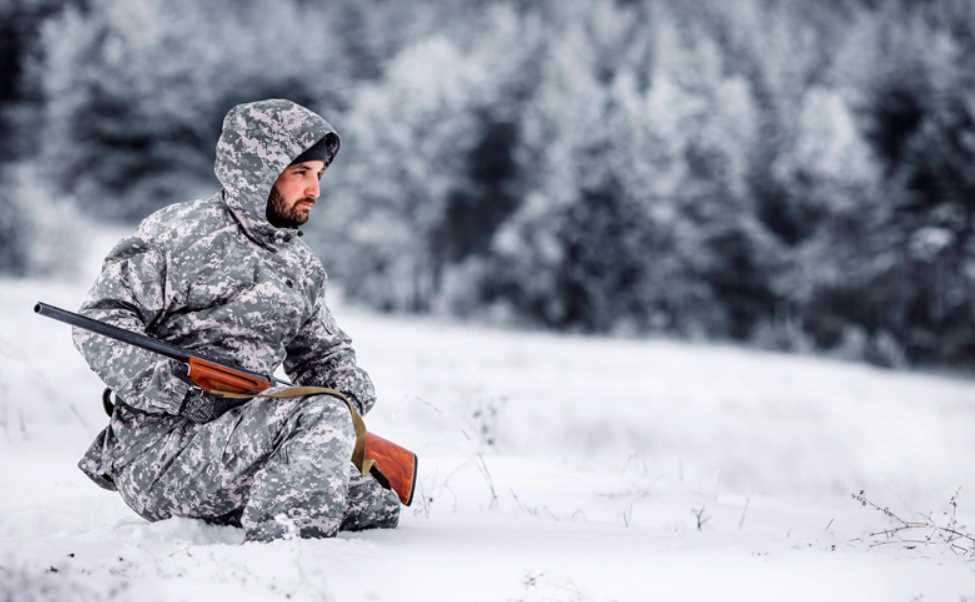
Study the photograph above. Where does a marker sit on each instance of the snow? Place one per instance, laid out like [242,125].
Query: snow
[551,468]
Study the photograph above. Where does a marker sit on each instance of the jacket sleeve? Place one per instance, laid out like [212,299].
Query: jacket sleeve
[322,355]
[132,292]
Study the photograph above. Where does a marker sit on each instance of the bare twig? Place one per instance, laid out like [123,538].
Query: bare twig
[701,517]
[77,414]
[524,508]
[913,533]
[489,479]
[579,515]
[535,511]
[425,501]
[741,521]
[428,404]
[634,458]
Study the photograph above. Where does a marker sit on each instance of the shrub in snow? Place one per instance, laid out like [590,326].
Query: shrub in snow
[929,529]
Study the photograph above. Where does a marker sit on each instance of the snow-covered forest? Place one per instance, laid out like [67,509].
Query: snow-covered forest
[789,174]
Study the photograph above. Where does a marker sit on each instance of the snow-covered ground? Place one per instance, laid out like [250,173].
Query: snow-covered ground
[551,468]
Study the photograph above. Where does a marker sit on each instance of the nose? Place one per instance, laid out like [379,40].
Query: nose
[312,189]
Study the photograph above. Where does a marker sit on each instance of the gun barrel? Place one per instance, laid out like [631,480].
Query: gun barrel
[114,332]
[137,339]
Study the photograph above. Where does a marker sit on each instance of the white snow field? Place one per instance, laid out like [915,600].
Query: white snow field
[552,468]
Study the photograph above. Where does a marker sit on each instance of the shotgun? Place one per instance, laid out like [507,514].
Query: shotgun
[393,466]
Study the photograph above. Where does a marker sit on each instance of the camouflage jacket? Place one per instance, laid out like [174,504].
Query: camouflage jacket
[214,276]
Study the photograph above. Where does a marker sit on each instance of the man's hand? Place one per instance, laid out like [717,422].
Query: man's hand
[201,407]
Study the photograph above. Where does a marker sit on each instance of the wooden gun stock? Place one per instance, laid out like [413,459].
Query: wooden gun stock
[396,466]
[393,466]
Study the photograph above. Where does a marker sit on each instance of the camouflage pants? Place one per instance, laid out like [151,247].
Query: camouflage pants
[279,467]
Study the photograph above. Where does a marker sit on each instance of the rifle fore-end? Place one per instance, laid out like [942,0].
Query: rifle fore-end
[218,378]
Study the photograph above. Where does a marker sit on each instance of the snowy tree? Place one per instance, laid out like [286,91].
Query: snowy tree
[577,252]
[726,248]
[20,22]
[407,137]
[136,91]
[552,256]
[428,168]
[22,211]
[915,82]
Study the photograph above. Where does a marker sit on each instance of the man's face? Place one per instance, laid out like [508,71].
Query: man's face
[294,194]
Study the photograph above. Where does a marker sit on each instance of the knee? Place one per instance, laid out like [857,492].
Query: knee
[325,407]
[322,407]
[323,412]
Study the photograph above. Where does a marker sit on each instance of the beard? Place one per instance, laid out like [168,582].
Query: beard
[281,215]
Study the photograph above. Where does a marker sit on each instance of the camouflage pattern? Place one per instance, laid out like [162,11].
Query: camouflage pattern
[214,276]
[278,467]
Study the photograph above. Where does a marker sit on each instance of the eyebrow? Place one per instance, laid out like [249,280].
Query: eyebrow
[300,167]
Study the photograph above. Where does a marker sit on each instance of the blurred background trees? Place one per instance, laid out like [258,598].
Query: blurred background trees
[790,174]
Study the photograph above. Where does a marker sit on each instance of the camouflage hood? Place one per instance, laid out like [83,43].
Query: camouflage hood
[259,140]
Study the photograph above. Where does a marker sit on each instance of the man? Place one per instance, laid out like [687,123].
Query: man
[228,276]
